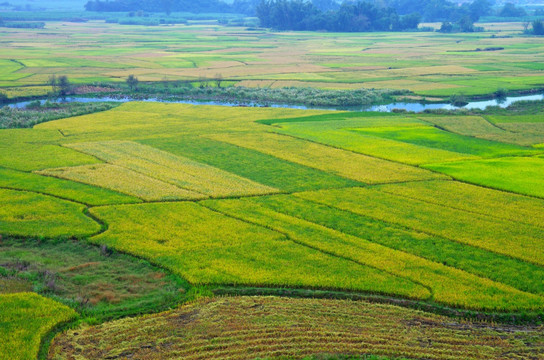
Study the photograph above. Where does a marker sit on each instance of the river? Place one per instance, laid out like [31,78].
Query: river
[408,106]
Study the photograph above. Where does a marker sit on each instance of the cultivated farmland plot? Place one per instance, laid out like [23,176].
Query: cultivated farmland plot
[283,198]
[410,236]
[429,64]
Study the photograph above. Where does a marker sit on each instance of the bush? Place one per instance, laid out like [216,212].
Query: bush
[458,100]
[538,27]
[501,93]
[36,113]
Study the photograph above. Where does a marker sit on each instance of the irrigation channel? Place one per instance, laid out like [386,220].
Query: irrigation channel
[408,106]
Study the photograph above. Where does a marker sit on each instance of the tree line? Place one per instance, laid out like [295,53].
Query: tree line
[349,17]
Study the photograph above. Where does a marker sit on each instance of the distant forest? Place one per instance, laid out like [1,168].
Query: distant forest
[328,15]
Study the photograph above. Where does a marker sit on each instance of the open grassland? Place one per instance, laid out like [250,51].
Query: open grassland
[268,327]
[95,282]
[24,319]
[430,64]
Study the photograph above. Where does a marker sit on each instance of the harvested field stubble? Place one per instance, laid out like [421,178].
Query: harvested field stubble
[256,327]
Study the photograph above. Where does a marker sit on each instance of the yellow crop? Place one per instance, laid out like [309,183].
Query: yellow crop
[123,180]
[176,170]
[344,163]
[25,318]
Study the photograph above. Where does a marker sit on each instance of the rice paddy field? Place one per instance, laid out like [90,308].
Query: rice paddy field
[432,65]
[441,211]
[157,230]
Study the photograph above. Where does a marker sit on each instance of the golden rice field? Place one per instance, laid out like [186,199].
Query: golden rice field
[427,63]
[353,166]
[122,180]
[200,180]
[246,198]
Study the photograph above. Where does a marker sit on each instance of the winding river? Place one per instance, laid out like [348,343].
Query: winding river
[408,106]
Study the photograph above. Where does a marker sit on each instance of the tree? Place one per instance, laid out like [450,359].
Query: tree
[325,5]
[218,80]
[63,85]
[167,6]
[132,82]
[538,27]
[410,21]
[511,10]
[3,99]
[53,82]
[446,27]
[466,24]
[203,82]
[479,8]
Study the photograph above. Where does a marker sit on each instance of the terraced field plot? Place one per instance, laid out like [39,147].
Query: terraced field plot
[430,64]
[480,127]
[69,190]
[215,242]
[262,197]
[444,284]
